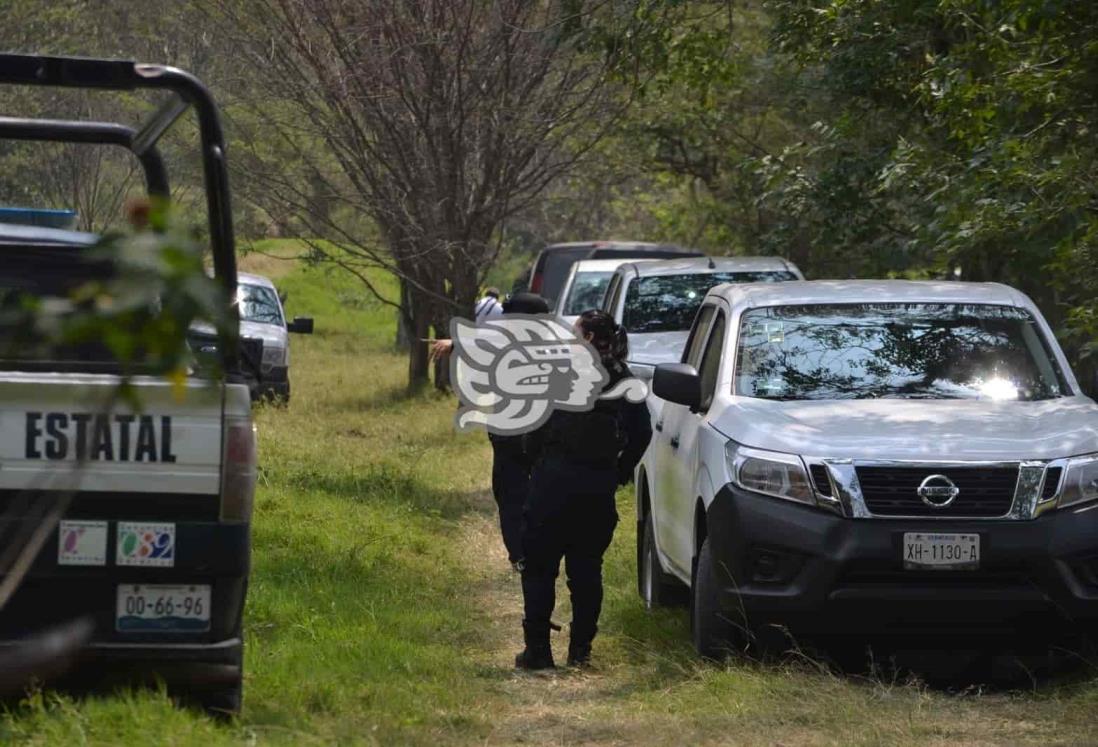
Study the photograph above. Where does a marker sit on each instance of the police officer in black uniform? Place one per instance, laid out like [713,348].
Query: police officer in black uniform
[510,463]
[579,459]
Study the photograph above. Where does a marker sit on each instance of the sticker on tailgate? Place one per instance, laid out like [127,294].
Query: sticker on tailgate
[82,543]
[145,544]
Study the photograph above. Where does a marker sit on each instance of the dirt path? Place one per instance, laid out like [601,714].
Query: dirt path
[564,707]
[630,699]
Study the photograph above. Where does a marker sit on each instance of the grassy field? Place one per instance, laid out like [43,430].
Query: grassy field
[382,610]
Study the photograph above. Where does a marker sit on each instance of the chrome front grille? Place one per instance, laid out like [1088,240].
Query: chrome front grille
[983,492]
[891,489]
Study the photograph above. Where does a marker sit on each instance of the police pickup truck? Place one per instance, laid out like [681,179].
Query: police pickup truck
[153,543]
[861,458]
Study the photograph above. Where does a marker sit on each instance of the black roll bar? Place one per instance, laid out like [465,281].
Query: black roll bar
[122,75]
[99,133]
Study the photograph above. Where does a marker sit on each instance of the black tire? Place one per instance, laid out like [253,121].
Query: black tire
[657,588]
[223,703]
[714,635]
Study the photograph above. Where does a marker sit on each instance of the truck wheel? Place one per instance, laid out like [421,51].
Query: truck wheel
[224,703]
[658,589]
[714,635]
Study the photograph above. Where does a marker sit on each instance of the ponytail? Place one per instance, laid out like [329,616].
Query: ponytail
[607,336]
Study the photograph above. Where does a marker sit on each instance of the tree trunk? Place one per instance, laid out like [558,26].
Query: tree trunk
[404,336]
[418,364]
[464,291]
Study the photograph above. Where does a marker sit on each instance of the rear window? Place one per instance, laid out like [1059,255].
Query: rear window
[32,276]
[668,303]
[587,291]
[555,270]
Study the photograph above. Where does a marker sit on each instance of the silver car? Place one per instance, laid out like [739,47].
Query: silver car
[264,338]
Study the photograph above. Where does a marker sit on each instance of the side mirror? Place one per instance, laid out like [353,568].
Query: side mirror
[678,383]
[302,325]
[282,296]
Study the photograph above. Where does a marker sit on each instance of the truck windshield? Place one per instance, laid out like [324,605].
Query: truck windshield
[587,291]
[910,351]
[259,304]
[668,303]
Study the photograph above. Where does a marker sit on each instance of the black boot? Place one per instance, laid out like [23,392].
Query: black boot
[538,654]
[579,654]
[579,647]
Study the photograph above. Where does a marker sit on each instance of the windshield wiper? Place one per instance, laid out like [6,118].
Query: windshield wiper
[921,395]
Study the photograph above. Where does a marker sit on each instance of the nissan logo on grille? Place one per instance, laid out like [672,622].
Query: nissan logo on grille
[937,491]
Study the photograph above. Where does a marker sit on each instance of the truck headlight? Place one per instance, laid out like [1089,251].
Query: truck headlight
[1080,483]
[770,473]
[273,356]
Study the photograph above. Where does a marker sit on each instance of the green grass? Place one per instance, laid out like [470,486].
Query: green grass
[382,611]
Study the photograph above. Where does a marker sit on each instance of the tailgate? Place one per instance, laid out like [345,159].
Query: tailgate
[70,432]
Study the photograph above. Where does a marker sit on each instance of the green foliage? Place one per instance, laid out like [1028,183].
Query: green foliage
[983,113]
[864,138]
[137,312]
[159,288]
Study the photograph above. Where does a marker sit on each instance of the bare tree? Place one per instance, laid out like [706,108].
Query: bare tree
[436,119]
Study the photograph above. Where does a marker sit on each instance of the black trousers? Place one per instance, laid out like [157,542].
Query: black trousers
[510,483]
[570,515]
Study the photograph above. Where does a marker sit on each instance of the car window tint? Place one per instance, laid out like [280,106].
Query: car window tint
[258,304]
[586,292]
[697,336]
[711,362]
[668,303]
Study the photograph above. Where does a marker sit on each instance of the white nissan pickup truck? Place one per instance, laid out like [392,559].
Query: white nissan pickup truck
[152,546]
[860,458]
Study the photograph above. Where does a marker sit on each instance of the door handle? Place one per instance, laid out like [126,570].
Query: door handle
[659,426]
[674,442]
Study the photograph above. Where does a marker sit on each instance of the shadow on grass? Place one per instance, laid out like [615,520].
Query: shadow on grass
[961,669]
[385,398]
[662,641]
[387,484]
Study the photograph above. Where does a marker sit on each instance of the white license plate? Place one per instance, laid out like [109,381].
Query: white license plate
[944,552]
[157,608]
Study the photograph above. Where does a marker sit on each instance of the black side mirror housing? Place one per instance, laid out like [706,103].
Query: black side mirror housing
[302,325]
[678,383]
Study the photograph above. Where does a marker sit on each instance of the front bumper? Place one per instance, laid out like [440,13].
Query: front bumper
[817,573]
[274,382]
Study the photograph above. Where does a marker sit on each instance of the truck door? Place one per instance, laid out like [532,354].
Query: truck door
[682,427]
[671,534]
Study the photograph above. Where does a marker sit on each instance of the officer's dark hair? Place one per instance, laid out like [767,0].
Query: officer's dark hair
[492,293]
[525,303]
[608,337]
